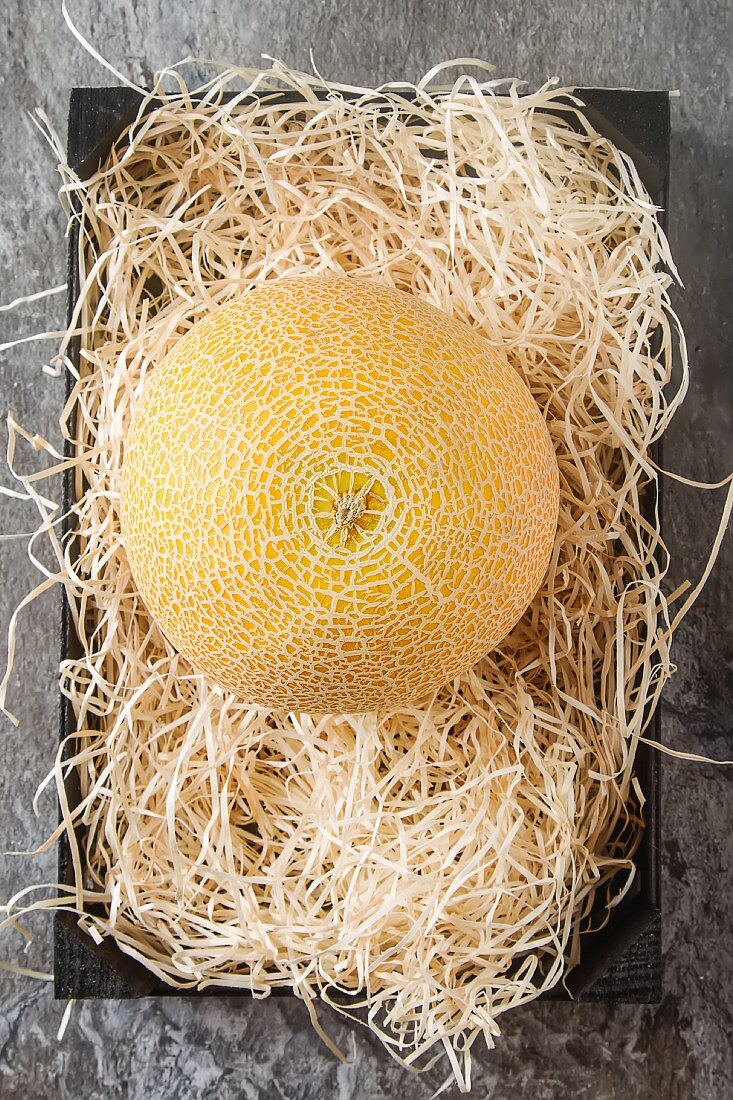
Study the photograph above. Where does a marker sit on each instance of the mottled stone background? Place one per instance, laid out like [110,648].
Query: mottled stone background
[227,1049]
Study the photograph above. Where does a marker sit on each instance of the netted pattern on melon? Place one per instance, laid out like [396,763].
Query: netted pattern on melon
[266,400]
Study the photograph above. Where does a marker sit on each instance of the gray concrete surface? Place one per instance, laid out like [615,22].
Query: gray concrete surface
[178,1049]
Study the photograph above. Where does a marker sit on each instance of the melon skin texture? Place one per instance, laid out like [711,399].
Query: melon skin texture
[336,497]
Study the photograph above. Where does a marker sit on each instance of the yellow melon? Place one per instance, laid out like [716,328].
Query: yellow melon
[335,496]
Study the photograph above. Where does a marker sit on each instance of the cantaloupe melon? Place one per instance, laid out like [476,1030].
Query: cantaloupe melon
[335,496]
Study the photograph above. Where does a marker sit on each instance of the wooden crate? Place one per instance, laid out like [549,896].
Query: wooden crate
[620,964]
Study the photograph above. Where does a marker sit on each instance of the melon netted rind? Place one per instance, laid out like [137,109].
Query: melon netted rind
[336,497]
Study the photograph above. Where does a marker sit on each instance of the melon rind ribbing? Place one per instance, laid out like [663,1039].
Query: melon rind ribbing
[335,496]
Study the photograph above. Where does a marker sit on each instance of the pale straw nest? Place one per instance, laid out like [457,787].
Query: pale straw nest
[435,864]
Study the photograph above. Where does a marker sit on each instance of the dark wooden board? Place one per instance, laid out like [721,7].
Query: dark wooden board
[623,962]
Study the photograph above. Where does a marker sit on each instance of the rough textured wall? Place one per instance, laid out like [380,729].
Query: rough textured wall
[262,1050]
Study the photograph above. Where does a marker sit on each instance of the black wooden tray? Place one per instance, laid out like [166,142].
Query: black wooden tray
[620,964]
